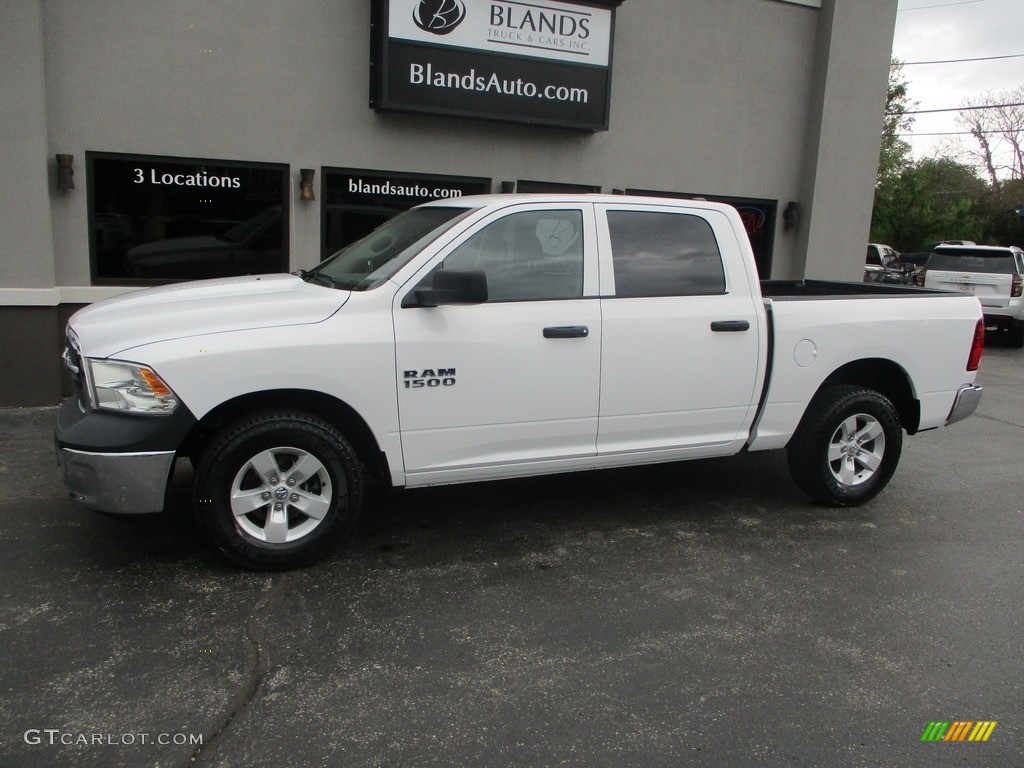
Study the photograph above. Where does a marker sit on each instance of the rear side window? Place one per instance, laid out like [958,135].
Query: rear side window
[664,254]
[998,263]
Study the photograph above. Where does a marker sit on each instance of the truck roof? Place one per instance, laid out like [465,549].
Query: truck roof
[481,201]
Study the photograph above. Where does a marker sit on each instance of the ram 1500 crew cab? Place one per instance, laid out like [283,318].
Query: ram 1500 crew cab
[496,337]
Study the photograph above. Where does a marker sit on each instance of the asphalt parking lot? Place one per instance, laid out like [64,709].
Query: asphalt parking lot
[691,614]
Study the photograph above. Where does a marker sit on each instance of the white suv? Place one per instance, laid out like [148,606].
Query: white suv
[994,274]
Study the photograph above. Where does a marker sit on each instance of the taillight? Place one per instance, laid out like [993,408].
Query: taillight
[974,359]
[1017,286]
[919,279]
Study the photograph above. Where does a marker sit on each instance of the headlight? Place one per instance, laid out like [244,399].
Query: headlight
[119,386]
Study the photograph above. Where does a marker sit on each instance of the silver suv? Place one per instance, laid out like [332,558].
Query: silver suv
[994,274]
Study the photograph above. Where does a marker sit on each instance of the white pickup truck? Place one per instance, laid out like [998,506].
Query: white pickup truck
[495,337]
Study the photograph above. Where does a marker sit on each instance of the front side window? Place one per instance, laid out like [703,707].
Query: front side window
[664,254]
[533,255]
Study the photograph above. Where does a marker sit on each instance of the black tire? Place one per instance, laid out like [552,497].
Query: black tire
[277,489]
[847,446]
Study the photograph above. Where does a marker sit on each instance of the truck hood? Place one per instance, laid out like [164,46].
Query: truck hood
[203,307]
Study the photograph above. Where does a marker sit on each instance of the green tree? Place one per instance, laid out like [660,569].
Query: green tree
[933,199]
[895,155]
[893,159]
[939,198]
[1003,225]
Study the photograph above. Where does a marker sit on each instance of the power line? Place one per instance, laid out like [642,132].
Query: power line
[955,109]
[944,5]
[958,61]
[951,133]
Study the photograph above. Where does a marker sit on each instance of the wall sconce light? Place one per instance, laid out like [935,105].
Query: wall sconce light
[508,187]
[791,215]
[306,193]
[65,172]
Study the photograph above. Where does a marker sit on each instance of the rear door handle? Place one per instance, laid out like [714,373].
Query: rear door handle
[566,332]
[730,326]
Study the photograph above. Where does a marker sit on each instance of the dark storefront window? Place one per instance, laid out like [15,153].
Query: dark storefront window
[554,188]
[161,219]
[758,220]
[356,202]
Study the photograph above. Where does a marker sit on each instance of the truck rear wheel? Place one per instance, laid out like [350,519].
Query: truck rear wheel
[847,446]
[275,490]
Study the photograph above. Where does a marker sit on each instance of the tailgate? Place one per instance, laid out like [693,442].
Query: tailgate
[993,290]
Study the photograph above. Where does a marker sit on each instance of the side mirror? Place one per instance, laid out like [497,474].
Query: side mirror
[450,286]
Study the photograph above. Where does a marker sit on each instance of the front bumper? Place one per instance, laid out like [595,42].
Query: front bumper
[117,462]
[965,403]
[123,483]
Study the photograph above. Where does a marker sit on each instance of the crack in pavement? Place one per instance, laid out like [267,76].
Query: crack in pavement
[998,420]
[257,666]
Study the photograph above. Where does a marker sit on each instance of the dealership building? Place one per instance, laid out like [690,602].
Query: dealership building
[143,143]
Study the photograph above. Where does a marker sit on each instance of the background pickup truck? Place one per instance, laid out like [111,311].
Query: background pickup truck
[495,337]
[882,265]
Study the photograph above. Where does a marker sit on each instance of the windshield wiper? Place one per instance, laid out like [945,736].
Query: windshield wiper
[317,277]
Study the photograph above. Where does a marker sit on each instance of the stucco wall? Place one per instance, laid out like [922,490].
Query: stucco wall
[26,245]
[707,97]
[845,129]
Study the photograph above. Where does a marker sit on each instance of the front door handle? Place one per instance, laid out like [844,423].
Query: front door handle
[730,326]
[566,332]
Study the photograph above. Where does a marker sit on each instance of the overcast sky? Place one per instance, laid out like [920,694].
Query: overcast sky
[931,30]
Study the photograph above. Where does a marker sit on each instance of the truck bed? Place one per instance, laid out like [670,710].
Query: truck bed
[792,290]
[821,329]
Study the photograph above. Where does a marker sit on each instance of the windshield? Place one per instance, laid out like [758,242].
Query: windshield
[997,262]
[369,262]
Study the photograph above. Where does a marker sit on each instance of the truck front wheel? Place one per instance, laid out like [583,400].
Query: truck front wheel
[847,446]
[276,489]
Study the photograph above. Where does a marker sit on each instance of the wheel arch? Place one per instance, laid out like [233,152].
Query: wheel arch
[337,412]
[885,377]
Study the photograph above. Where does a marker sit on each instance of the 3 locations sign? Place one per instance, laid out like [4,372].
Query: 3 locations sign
[543,62]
